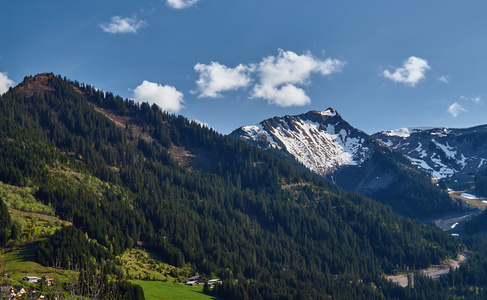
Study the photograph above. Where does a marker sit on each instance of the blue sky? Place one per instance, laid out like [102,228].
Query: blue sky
[381,64]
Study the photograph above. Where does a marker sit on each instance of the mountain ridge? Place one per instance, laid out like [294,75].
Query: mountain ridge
[328,145]
[445,153]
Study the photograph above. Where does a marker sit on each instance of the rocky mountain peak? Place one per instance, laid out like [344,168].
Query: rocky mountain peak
[320,140]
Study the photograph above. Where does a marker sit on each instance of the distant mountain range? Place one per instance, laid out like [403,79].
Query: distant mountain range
[457,154]
[329,146]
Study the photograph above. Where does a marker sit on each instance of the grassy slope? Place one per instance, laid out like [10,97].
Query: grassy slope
[154,290]
[21,262]
[140,264]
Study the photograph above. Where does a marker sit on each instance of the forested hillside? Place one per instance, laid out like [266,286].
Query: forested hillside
[481,183]
[127,173]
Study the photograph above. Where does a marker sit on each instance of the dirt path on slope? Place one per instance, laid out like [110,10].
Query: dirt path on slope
[434,271]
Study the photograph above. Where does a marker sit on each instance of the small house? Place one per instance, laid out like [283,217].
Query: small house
[18,291]
[213,282]
[198,279]
[32,279]
[192,283]
[48,279]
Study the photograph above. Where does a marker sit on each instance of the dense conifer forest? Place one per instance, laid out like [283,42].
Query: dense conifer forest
[412,194]
[127,173]
[481,183]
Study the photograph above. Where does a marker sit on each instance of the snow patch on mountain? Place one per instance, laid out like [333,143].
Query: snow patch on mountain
[469,196]
[449,151]
[257,133]
[421,152]
[320,150]
[328,113]
[400,132]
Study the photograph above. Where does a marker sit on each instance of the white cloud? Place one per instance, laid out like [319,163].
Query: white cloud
[216,78]
[284,96]
[280,75]
[180,4]
[411,73]
[443,79]
[455,109]
[5,82]
[166,97]
[475,100]
[122,25]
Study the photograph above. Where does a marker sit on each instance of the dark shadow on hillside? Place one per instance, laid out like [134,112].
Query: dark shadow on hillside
[210,297]
[26,253]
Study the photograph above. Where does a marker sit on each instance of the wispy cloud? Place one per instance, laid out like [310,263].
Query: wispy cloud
[180,4]
[118,24]
[411,73]
[5,82]
[455,109]
[166,97]
[475,100]
[443,79]
[279,77]
[216,78]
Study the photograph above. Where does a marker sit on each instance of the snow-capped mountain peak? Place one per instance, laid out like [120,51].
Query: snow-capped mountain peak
[442,152]
[320,140]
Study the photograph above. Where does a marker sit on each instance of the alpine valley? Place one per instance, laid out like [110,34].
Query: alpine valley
[88,178]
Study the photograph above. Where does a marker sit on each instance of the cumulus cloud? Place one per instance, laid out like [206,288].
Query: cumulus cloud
[5,82]
[122,25]
[411,73]
[279,76]
[455,109]
[216,78]
[180,4]
[164,96]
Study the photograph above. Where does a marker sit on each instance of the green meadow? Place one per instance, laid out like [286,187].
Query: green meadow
[156,290]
